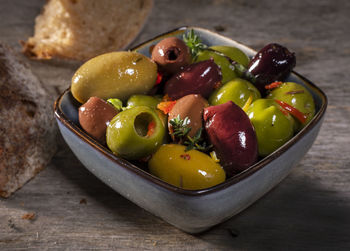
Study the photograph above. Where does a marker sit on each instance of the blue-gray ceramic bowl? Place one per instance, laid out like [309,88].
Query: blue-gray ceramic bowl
[191,211]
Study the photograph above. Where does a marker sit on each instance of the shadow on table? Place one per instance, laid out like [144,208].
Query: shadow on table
[298,214]
[94,189]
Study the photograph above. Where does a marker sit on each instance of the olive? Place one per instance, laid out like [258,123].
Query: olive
[171,54]
[190,106]
[191,170]
[237,90]
[233,52]
[114,75]
[199,78]
[221,56]
[297,96]
[143,100]
[94,117]
[146,100]
[135,133]
[273,62]
[272,126]
[231,133]
[116,103]
[227,70]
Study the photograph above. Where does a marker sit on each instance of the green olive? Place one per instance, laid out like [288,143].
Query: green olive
[143,100]
[146,100]
[234,53]
[273,127]
[237,90]
[188,170]
[114,75]
[297,96]
[227,69]
[135,133]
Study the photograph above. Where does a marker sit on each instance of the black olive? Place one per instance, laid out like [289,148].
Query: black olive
[272,63]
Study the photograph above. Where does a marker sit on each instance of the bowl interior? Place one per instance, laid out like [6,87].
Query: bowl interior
[66,110]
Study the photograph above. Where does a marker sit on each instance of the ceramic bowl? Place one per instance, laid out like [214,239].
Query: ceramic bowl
[191,211]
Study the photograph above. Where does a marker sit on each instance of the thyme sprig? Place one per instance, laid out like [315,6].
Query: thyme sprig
[180,127]
[194,43]
[197,142]
[180,131]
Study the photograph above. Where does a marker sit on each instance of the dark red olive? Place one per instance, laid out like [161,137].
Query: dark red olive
[272,63]
[230,132]
[199,78]
[94,116]
[171,54]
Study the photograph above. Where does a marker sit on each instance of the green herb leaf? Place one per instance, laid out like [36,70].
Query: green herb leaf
[194,43]
[180,127]
[197,142]
[180,133]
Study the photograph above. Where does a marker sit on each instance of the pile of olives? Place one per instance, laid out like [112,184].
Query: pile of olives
[196,115]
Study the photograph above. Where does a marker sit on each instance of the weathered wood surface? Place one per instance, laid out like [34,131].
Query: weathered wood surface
[309,210]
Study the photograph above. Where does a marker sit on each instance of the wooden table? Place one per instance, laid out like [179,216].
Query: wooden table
[309,210]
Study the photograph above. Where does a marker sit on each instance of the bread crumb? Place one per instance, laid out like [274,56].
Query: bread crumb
[83,201]
[29,216]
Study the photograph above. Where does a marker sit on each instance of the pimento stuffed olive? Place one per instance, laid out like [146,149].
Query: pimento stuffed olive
[135,133]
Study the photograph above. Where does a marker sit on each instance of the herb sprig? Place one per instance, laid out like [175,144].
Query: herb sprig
[180,127]
[194,43]
[197,142]
[180,131]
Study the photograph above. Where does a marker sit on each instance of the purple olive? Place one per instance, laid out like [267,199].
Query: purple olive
[199,78]
[231,133]
[272,63]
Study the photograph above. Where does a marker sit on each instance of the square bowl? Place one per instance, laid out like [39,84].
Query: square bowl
[190,211]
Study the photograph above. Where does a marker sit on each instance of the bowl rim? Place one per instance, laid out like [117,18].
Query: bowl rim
[59,114]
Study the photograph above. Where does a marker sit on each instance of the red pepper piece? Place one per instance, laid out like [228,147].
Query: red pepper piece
[159,78]
[166,98]
[151,127]
[284,111]
[166,106]
[217,85]
[293,111]
[273,85]
[185,156]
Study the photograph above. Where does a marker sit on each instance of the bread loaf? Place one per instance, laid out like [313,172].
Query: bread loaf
[27,126]
[82,29]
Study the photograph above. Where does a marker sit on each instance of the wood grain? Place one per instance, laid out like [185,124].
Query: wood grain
[309,210]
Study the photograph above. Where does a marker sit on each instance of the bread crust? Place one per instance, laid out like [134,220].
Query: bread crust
[27,127]
[82,29]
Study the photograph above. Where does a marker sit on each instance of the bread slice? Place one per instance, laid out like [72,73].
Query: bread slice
[82,29]
[27,127]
